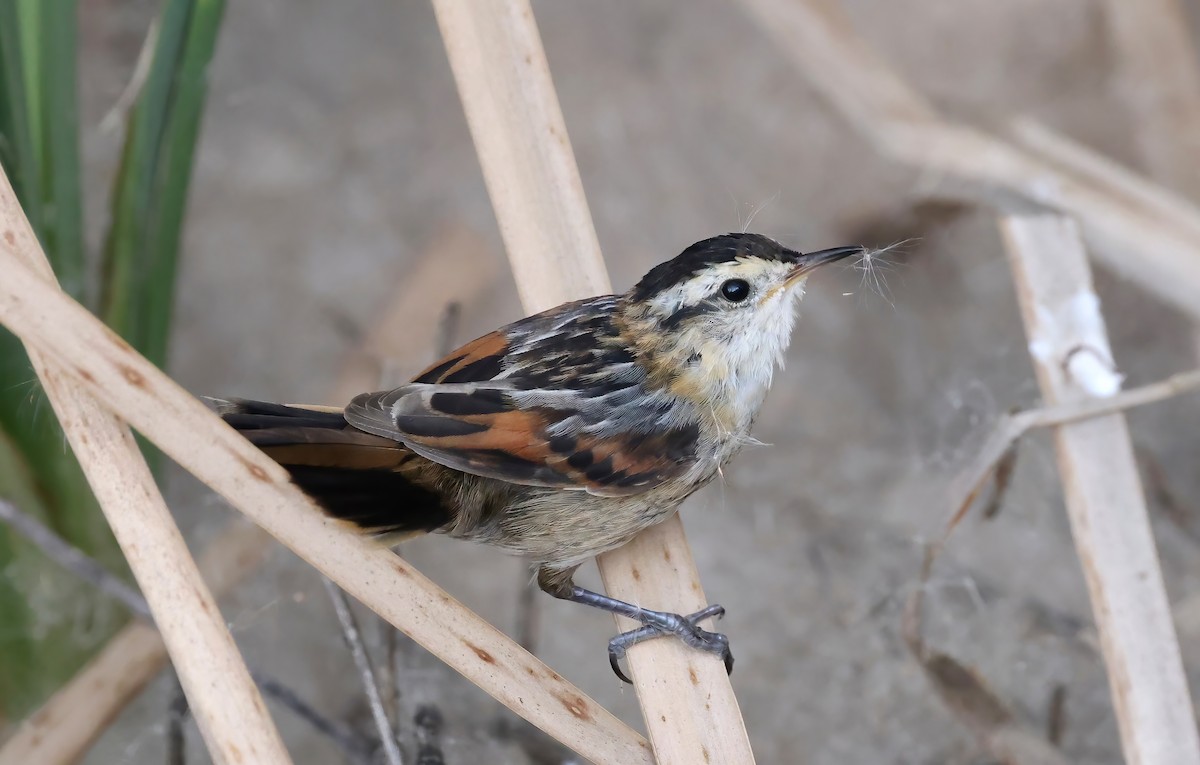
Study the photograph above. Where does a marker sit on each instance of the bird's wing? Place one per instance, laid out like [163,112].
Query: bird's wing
[548,402]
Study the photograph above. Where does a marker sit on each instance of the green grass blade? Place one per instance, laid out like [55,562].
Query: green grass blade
[61,174]
[29,31]
[23,411]
[18,152]
[127,253]
[175,171]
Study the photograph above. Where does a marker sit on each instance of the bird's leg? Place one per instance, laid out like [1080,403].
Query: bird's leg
[561,585]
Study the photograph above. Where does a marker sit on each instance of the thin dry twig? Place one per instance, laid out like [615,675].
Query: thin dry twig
[141,69]
[387,736]
[73,559]
[1056,715]
[177,714]
[200,442]
[229,710]
[1105,505]
[356,748]
[527,616]
[1005,435]
[448,328]
[389,670]
[513,113]
[1002,475]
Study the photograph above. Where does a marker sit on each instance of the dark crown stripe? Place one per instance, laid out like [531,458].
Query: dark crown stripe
[701,255]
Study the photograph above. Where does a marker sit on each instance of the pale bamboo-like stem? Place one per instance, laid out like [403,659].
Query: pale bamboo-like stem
[1104,496]
[63,729]
[80,711]
[200,442]
[1156,248]
[512,110]
[228,709]
[528,166]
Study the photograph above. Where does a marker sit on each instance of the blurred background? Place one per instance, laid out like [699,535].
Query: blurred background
[334,163]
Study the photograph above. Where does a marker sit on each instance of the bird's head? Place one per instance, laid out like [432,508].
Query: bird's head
[720,313]
[734,290]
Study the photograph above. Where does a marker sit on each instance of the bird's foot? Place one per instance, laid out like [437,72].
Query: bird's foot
[661,623]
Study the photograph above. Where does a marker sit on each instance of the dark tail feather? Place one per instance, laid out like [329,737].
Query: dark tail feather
[354,476]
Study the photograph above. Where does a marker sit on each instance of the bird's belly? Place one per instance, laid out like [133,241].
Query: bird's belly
[565,528]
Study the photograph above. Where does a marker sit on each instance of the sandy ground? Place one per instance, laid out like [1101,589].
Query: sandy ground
[333,153]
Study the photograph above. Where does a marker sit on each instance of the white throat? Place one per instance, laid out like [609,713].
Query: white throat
[737,361]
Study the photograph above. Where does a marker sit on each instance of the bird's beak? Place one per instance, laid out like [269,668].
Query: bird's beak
[806,262]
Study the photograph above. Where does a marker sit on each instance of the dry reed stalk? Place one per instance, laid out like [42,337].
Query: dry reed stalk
[195,437]
[1158,77]
[969,163]
[1109,522]
[229,711]
[83,708]
[513,112]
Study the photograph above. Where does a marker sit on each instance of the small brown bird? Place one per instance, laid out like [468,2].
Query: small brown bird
[564,434]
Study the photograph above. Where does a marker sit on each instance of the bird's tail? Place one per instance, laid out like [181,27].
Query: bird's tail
[370,481]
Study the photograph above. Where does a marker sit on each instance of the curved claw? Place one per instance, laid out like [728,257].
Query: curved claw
[614,661]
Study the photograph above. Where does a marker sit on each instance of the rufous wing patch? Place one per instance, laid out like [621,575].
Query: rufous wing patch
[479,360]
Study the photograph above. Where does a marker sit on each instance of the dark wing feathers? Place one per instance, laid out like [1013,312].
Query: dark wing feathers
[480,359]
[369,480]
[554,400]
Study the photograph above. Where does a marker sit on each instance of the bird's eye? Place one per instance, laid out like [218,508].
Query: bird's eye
[736,290]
